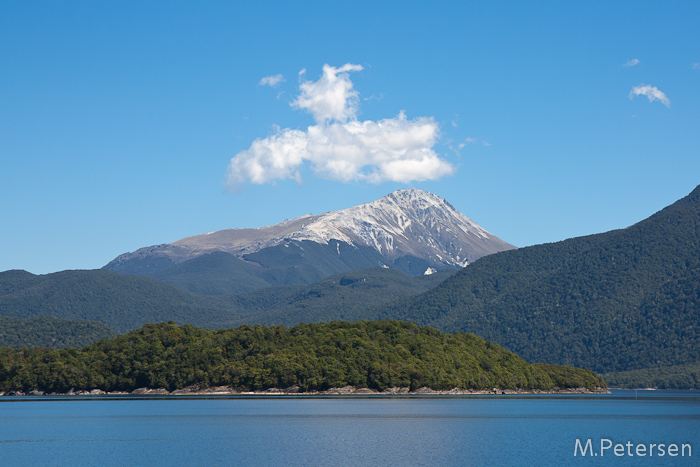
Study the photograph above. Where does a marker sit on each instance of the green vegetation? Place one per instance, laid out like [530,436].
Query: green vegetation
[51,332]
[216,273]
[674,377]
[348,296]
[125,302]
[122,302]
[375,355]
[623,300]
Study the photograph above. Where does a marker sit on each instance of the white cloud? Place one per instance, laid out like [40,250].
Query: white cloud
[339,147]
[652,92]
[631,63]
[272,80]
[332,97]
[696,66]
[393,149]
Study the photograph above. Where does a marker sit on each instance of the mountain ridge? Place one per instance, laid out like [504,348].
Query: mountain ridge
[407,229]
[620,300]
[125,301]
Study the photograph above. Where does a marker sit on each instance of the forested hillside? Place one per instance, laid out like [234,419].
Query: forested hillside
[122,302]
[125,302]
[51,332]
[670,377]
[621,300]
[375,355]
[348,296]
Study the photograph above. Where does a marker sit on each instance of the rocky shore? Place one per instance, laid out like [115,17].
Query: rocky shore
[296,390]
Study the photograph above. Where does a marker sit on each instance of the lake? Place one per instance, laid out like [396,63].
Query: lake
[353,431]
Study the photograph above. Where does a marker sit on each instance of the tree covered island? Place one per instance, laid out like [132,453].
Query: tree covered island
[376,355]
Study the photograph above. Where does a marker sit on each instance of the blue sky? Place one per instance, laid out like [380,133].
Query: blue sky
[119,121]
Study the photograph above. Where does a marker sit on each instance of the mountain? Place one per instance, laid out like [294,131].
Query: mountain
[411,230]
[124,302]
[623,300]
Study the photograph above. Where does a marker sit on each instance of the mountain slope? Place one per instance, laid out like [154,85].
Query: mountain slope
[346,296]
[125,302]
[669,377]
[51,332]
[621,300]
[122,302]
[216,273]
[409,230]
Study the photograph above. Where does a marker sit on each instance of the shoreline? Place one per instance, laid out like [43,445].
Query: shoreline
[296,391]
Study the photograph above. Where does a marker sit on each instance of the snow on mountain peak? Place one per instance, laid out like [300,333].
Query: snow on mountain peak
[405,222]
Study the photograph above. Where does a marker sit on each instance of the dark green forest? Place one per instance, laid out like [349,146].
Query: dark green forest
[125,302]
[672,377]
[122,302]
[51,332]
[622,300]
[375,355]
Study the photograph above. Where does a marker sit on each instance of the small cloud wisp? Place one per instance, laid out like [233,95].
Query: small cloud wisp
[272,80]
[652,92]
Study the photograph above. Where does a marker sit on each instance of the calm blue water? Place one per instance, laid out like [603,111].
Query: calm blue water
[357,431]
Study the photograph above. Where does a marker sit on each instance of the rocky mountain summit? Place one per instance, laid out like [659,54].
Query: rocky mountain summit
[407,222]
[411,230]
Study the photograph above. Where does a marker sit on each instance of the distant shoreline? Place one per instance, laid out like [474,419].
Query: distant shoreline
[295,391]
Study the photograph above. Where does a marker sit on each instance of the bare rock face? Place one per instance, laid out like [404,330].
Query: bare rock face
[150,392]
[408,223]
